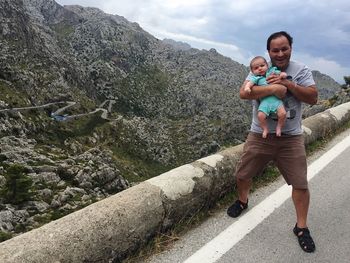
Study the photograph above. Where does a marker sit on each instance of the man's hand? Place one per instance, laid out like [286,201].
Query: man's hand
[279,90]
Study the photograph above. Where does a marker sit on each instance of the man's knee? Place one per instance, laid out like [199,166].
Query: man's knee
[243,181]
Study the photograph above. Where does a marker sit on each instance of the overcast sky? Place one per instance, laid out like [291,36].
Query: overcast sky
[239,28]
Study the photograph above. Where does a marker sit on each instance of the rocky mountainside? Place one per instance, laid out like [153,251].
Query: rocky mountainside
[177,44]
[327,87]
[167,104]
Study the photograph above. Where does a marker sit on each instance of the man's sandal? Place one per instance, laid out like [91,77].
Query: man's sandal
[305,240]
[237,208]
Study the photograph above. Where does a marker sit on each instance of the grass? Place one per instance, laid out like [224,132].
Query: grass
[320,143]
[165,240]
[130,163]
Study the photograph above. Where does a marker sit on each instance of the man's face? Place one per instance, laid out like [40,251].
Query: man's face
[280,52]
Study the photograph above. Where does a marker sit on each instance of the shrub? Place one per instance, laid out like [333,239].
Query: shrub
[17,188]
[4,236]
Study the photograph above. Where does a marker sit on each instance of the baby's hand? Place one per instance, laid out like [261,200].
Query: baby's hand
[247,89]
[274,79]
[283,75]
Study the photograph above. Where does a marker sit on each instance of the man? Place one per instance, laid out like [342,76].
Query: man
[288,150]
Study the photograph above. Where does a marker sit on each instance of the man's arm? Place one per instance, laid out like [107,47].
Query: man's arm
[307,94]
[258,92]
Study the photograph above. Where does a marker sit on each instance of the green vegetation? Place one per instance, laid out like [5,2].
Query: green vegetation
[18,185]
[82,127]
[64,174]
[63,29]
[20,228]
[4,236]
[140,90]
[58,214]
[135,169]
[347,82]
[269,175]
[12,96]
[2,158]
[312,147]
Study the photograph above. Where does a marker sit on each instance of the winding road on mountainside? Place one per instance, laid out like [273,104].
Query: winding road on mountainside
[57,115]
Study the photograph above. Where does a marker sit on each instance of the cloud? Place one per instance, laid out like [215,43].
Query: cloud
[323,65]
[239,28]
[229,50]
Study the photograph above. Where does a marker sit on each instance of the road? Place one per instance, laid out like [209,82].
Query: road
[57,114]
[35,107]
[264,232]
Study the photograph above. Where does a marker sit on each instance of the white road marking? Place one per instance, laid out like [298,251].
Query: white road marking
[222,243]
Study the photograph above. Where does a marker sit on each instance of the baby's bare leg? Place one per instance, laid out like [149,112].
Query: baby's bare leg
[281,114]
[263,123]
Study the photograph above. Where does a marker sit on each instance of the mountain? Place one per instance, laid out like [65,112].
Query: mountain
[84,55]
[91,104]
[327,87]
[177,44]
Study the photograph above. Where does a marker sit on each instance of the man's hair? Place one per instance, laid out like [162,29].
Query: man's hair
[279,34]
[256,58]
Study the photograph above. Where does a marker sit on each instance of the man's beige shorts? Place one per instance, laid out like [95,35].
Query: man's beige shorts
[287,152]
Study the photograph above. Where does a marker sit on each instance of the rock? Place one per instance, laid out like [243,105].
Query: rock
[45,193]
[2,181]
[10,218]
[6,219]
[36,206]
[46,177]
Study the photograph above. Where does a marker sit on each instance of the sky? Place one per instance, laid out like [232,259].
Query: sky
[239,28]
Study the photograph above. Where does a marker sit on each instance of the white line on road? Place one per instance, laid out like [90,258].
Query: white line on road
[222,243]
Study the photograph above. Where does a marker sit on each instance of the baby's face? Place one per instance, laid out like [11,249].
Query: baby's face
[259,67]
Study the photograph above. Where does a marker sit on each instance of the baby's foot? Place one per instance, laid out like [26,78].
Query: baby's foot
[278,132]
[264,134]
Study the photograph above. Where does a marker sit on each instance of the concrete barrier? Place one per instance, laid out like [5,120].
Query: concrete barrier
[112,229]
[323,123]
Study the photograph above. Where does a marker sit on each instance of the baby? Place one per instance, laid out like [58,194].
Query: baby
[268,104]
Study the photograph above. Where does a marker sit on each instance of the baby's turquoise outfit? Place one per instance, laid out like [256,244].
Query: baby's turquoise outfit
[268,104]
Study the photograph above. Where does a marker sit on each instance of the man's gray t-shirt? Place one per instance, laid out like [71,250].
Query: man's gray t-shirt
[301,74]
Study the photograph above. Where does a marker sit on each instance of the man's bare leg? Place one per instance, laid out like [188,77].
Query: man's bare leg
[301,200]
[243,188]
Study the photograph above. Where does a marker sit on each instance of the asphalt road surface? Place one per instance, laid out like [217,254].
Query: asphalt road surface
[264,232]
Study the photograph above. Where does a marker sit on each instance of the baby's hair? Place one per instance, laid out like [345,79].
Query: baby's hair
[256,58]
